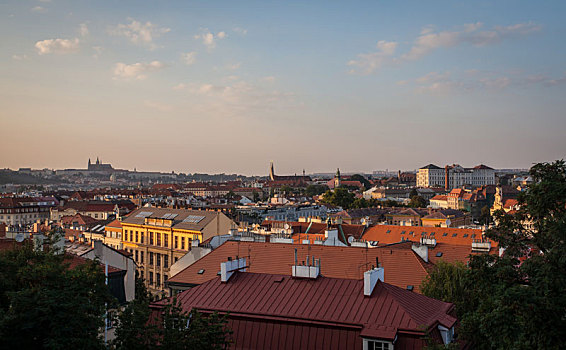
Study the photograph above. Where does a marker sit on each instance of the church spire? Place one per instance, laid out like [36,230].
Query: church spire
[271,172]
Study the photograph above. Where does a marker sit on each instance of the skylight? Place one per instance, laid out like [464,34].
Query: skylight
[193,219]
[144,214]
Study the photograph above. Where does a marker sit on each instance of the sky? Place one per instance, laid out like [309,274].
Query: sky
[228,86]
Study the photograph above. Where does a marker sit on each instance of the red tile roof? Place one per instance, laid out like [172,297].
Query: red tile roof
[402,267]
[328,302]
[386,234]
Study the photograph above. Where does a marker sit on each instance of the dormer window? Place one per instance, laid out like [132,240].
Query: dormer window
[371,344]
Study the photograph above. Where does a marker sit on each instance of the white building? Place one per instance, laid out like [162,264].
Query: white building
[457,176]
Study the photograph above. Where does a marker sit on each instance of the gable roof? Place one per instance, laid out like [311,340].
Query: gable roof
[340,302]
[385,234]
[201,217]
[430,166]
[402,267]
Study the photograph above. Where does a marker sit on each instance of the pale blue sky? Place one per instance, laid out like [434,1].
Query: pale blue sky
[228,86]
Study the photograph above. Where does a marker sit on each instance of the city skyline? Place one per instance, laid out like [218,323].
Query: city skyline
[225,88]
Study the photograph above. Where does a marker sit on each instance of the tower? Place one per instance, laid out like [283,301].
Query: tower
[337,180]
[271,172]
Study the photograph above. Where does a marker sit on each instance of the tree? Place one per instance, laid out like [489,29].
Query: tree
[133,331]
[315,190]
[46,304]
[485,215]
[362,179]
[417,202]
[448,282]
[255,196]
[517,300]
[173,329]
[340,197]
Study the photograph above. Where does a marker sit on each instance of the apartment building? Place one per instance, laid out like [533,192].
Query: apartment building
[158,237]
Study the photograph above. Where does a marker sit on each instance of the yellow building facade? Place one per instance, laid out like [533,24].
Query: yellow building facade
[158,237]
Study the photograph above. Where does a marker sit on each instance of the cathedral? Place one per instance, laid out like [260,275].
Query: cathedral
[295,179]
[99,166]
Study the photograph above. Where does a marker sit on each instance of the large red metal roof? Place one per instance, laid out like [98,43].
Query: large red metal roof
[327,303]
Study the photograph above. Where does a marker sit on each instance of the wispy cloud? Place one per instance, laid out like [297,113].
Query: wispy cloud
[472,34]
[136,70]
[189,57]
[180,86]
[442,83]
[368,62]
[208,38]
[139,33]
[430,40]
[57,46]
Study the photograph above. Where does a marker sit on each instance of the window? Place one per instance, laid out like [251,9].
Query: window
[165,261]
[126,235]
[158,238]
[151,238]
[150,277]
[141,237]
[137,236]
[176,242]
[165,240]
[157,259]
[158,279]
[136,255]
[377,345]
[141,257]
[182,242]
[150,258]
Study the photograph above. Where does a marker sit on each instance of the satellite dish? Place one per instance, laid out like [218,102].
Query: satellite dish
[448,222]
[286,226]
[350,239]
[19,238]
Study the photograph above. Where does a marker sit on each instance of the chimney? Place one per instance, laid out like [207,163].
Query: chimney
[306,270]
[228,268]
[370,279]
[421,250]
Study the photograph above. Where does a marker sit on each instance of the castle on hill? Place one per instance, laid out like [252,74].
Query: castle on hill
[99,166]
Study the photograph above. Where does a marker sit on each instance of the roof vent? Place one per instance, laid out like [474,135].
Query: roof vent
[201,271]
[410,288]
[439,254]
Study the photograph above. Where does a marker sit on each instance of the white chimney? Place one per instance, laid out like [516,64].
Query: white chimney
[421,250]
[310,269]
[228,268]
[370,279]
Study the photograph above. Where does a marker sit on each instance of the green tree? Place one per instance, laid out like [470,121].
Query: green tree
[315,190]
[417,202]
[340,197]
[362,179]
[517,300]
[173,329]
[46,304]
[448,282]
[485,215]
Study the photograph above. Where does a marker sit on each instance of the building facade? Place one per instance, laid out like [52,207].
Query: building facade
[158,237]
[455,176]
